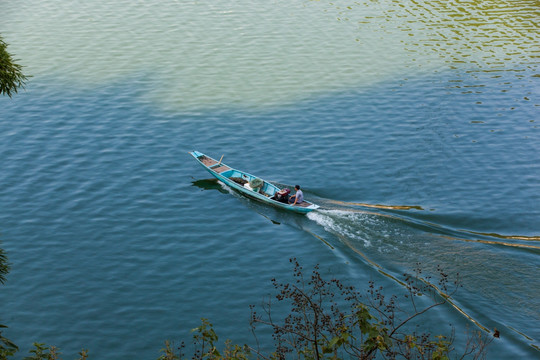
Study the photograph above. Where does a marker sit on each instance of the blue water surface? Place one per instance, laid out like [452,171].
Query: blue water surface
[118,242]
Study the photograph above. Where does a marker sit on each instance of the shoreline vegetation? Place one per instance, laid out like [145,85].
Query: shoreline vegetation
[323,319]
[11,76]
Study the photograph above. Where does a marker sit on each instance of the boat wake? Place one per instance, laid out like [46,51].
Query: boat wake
[393,243]
[335,216]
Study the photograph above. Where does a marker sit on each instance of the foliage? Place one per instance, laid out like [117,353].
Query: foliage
[43,352]
[325,320]
[4,266]
[329,320]
[205,342]
[168,352]
[11,76]
[7,347]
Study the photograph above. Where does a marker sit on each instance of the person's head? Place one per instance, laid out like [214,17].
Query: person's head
[297,187]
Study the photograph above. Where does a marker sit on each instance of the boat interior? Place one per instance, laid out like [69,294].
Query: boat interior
[213,164]
[244,179]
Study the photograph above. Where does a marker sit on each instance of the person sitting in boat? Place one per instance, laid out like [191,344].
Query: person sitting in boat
[298,197]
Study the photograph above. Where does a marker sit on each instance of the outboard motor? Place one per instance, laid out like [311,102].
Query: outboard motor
[282,196]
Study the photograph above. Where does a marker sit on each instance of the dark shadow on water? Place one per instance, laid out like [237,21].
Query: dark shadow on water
[209,184]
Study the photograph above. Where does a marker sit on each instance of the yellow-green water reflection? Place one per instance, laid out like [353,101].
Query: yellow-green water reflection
[209,54]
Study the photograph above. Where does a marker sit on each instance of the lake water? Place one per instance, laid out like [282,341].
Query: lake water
[414,126]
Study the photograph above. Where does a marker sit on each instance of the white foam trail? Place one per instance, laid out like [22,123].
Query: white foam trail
[342,223]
